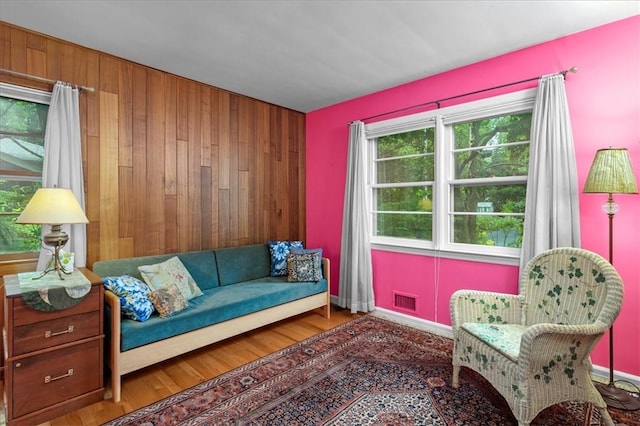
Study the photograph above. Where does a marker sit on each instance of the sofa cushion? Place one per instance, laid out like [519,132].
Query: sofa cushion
[200,264]
[170,272]
[202,267]
[217,305]
[238,264]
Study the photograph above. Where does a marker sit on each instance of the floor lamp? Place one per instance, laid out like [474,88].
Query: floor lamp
[611,173]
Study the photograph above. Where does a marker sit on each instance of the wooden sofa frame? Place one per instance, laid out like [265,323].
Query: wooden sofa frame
[134,359]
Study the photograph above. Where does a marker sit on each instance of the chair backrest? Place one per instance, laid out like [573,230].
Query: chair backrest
[570,286]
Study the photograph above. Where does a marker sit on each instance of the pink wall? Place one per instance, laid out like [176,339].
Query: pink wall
[604,100]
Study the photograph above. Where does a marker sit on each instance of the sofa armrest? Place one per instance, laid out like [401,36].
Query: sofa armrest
[326,273]
[114,345]
[326,269]
[485,307]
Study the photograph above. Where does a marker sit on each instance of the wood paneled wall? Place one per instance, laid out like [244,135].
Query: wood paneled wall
[171,164]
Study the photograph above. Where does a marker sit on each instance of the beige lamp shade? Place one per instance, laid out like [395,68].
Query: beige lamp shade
[611,173]
[53,206]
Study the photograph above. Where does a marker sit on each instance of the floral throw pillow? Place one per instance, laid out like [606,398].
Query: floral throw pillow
[134,303]
[168,300]
[171,271]
[303,267]
[279,251]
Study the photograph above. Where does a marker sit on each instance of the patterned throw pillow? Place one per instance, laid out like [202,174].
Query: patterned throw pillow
[134,303]
[171,271]
[303,267]
[296,250]
[279,251]
[168,300]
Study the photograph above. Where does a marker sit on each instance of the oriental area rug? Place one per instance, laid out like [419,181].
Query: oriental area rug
[369,371]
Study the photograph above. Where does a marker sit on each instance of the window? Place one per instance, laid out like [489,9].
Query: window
[23,117]
[453,180]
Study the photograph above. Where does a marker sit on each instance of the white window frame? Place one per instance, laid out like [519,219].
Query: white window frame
[30,95]
[25,93]
[440,246]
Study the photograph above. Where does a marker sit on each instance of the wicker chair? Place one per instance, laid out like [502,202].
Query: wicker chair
[534,347]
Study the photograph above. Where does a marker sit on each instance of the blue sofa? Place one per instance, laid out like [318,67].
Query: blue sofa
[238,295]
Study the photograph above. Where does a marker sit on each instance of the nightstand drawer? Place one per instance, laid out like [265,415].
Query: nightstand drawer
[43,380]
[23,314]
[45,334]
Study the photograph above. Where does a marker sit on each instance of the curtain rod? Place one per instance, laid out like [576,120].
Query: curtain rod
[45,80]
[437,102]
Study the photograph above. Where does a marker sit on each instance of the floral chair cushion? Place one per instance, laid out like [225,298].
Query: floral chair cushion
[505,338]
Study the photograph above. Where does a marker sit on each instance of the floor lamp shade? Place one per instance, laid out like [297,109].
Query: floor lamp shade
[611,173]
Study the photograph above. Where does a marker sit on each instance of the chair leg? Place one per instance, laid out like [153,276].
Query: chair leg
[606,417]
[455,378]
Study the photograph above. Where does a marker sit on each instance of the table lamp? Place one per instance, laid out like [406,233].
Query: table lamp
[55,207]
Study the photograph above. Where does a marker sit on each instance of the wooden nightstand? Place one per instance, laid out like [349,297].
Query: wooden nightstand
[53,360]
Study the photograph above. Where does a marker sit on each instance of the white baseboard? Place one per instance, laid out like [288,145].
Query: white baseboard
[422,324]
[599,372]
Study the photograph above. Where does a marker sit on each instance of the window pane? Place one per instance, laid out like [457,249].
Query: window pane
[489,198]
[404,199]
[408,143]
[413,226]
[16,238]
[495,146]
[501,231]
[499,161]
[22,127]
[489,230]
[411,169]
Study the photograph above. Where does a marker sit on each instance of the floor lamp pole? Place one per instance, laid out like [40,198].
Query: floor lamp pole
[612,395]
[611,212]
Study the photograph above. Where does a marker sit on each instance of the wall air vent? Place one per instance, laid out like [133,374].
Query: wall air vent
[405,302]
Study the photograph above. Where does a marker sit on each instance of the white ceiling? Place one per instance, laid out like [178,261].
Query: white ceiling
[306,55]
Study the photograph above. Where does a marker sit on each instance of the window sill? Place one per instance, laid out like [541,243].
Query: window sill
[498,259]
[16,266]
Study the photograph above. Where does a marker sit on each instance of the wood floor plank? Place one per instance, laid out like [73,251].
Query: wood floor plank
[153,383]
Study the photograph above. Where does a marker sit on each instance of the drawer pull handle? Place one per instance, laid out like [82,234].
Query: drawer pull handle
[49,333]
[49,379]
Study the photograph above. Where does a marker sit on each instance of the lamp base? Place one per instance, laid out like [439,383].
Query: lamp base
[57,238]
[618,398]
[57,268]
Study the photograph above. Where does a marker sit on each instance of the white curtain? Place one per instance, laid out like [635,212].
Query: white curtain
[552,216]
[356,283]
[62,166]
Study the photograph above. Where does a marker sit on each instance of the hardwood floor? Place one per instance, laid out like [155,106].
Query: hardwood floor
[151,384]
